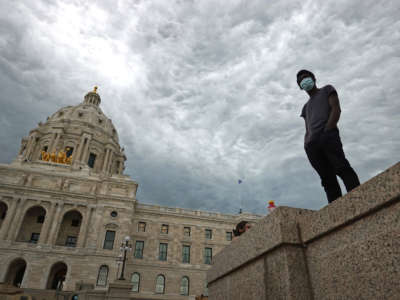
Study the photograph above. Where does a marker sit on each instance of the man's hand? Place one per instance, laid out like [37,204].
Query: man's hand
[335,112]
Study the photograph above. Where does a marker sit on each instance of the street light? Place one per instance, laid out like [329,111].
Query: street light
[125,247]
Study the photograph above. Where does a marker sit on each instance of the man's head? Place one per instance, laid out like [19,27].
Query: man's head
[303,74]
[241,227]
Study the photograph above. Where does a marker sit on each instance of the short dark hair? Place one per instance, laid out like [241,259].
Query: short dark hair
[240,226]
[301,72]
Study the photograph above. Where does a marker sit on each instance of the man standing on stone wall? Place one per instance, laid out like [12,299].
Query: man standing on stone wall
[322,141]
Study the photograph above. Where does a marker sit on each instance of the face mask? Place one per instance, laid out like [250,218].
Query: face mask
[307,84]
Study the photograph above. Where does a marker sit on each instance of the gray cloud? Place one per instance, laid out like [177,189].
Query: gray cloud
[204,93]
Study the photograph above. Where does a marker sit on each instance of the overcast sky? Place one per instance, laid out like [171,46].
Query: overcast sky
[203,93]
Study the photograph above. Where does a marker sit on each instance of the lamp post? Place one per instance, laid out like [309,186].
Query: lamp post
[125,247]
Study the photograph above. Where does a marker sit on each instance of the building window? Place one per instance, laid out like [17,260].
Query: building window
[135,280]
[185,286]
[208,256]
[68,151]
[40,219]
[34,238]
[163,251]
[75,223]
[71,241]
[114,214]
[229,236]
[208,233]
[160,284]
[138,249]
[91,160]
[164,229]
[109,240]
[186,231]
[103,275]
[142,227]
[186,254]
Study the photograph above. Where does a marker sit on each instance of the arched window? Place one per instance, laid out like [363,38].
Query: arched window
[160,284]
[32,225]
[103,275]
[68,233]
[16,272]
[3,212]
[57,276]
[135,280]
[185,286]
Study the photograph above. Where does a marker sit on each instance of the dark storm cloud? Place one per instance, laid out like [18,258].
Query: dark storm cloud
[204,93]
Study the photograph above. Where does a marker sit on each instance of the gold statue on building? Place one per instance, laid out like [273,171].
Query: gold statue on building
[45,155]
[53,156]
[68,159]
[60,157]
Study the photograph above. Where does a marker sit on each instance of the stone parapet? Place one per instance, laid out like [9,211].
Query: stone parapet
[177,211]
[349,249]
[67,181]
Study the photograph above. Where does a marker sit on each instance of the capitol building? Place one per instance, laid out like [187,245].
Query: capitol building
[72,228]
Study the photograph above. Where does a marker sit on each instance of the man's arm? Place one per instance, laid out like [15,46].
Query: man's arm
[335,112]
[305,123]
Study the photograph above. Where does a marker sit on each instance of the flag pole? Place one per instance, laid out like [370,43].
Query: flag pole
[240,197]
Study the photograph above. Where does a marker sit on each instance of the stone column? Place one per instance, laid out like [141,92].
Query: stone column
[31,145]
[83,148]
[95,229]
[54,146]
[55,224]
[78,151]
[105,159]
[18,218]
[50,146]
[110,162]
[84,226]
[26,278]
[47,224]
[9,217]
[85,153]
[121,166]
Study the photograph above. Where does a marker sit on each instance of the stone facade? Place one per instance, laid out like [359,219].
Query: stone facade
[350,249]
[62,224]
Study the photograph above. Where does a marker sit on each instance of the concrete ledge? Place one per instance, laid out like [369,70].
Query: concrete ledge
[277,229]
[382,190]
[347,250]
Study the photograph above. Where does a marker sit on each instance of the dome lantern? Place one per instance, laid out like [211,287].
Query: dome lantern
[92,98]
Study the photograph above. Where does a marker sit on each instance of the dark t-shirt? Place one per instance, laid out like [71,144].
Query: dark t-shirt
[316,113]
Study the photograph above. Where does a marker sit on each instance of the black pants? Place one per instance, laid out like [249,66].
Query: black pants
[326,155]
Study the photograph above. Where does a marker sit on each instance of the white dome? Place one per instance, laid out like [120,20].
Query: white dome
[84,132]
